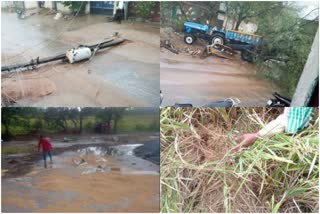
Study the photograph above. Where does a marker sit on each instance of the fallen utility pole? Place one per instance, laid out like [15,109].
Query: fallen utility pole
[73,55]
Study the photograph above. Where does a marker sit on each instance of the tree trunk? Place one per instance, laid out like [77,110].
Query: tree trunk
[74,124]
[80,125]
[7,134]
[238,24]
[115,126]
[182,11]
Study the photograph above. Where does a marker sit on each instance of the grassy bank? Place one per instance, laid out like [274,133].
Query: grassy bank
[19,149]
[198,174]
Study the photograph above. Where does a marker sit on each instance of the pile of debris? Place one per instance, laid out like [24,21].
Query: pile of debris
[193,51]
[167,45]
[174,42]
[188,50]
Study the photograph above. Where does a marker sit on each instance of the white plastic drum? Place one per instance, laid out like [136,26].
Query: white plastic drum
[78,54]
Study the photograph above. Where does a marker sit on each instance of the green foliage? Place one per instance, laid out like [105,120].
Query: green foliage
[199,174]
[76,7]
[287,43]
[89,126]
[199,12]
[247,11]
[144,8]
[178,25]
[287,37]
[23,121]
[138,123]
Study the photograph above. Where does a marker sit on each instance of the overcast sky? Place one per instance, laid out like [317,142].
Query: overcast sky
[308,6]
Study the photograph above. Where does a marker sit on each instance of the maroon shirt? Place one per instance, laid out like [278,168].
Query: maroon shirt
[45,144]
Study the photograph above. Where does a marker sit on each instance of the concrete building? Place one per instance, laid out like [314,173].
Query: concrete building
[91,7]
[229,23]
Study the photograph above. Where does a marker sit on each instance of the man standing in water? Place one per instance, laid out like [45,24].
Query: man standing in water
[291,121]
[45,144]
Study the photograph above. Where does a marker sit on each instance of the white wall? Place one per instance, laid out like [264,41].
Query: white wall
[30,4]
[49,5]
[229,23]
[5,4]
[65,10]
[249,27]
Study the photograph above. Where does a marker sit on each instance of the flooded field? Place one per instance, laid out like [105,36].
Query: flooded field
[90,178]
[129,71]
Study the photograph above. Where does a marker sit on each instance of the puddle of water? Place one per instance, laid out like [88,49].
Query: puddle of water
[131,164]
[124,149]
[99,160]
[112,150]
[140,80]
[94,159]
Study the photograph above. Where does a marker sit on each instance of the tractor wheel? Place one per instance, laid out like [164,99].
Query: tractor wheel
[189,39]
[217,38]
[248,56]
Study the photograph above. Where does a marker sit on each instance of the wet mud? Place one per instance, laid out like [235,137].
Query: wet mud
[193,79]
[129,72]
[90,178]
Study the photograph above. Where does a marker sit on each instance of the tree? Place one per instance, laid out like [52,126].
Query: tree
[246,11]
[117,115]
[85,112]
[76,7]
[286,45]
[287,38]
[144,8]
[7,116]
[197,11]
[57,118]
[14,116]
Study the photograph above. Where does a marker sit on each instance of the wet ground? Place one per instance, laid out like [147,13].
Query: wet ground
[190,79]
[128,72]
[91,178]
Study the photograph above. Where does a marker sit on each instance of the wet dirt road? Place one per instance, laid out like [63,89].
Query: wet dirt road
[90,179]
[188,79]
[126,75]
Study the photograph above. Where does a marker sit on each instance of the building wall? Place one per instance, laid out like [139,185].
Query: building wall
[6,4]
[30,4]
[61,8]
[229,23]
[248,27]
[12,4]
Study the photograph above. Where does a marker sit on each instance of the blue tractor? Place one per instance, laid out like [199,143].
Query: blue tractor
[247,43]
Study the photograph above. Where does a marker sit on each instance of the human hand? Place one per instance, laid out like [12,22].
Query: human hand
[245,141]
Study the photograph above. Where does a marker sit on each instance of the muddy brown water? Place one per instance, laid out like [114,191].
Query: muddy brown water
[108,179]
[129,72]
[188,79]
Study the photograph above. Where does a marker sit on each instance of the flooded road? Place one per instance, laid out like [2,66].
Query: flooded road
[188,79]
[129,72]
[89,179]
